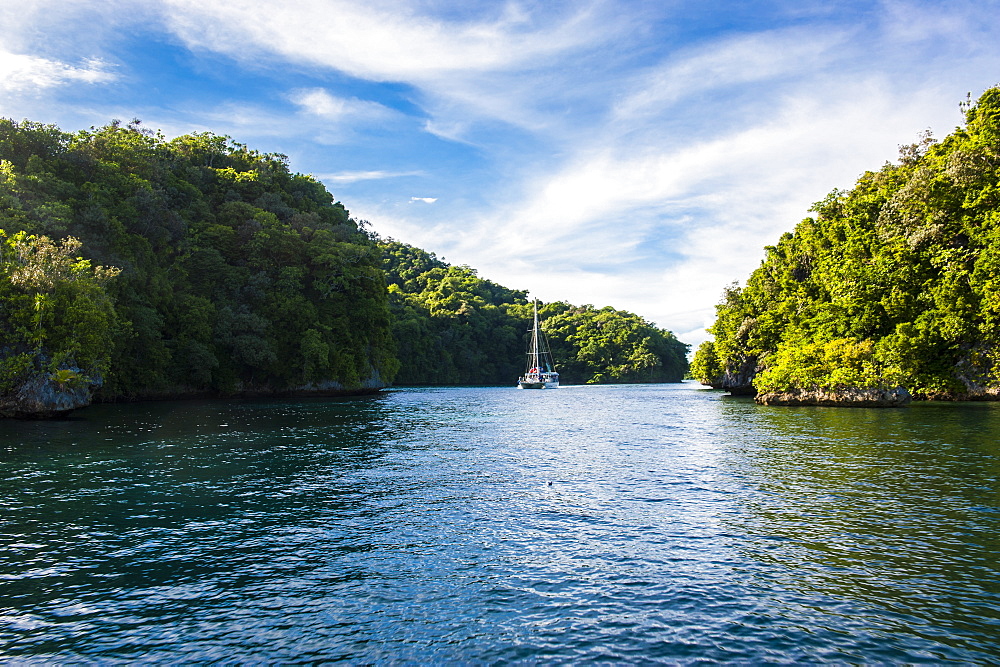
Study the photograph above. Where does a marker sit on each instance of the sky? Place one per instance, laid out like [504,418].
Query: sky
[629,153]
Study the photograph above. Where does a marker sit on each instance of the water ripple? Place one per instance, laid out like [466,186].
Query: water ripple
[637,524]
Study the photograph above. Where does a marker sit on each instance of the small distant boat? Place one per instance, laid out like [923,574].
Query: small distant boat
[541,372]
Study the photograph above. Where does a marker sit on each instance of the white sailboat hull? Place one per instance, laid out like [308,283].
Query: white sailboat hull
[540,381]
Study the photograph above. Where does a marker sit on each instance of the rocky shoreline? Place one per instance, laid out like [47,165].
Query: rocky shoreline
[849,397]
[42,396]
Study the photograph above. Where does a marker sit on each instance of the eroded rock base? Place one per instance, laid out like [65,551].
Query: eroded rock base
[848,398]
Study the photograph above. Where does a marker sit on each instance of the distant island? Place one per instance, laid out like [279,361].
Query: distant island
[891,291]
[135,267]
[453,327]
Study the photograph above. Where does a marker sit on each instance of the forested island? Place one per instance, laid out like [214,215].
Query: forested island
[136,267]
[453,327]
[891,291]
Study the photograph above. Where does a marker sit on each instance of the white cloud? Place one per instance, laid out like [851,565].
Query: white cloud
[426,200]
[356,176]
[20,73]
[911,23]
[380,40]
[505,64]
[319,102]
[734,61]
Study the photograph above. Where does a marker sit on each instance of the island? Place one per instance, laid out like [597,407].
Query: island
[890,291]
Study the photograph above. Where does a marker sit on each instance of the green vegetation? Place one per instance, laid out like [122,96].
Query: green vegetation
[56,314]
[454,327]
[894,282]
[235,274]
[229,274]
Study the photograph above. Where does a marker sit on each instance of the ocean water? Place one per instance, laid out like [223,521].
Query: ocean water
[623,524]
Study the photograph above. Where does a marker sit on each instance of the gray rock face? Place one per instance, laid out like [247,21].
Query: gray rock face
[738,379]
[850,397]
[332,388]
[41,397]
[371,384]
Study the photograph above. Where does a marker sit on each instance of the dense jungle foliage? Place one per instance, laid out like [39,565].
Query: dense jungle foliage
[197,266]
[230,273]
[55,312]
[893,283]
[454,327]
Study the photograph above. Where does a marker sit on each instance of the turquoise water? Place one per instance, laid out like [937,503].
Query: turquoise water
[640,524]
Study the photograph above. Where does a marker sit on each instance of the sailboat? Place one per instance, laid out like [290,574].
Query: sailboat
[541,372]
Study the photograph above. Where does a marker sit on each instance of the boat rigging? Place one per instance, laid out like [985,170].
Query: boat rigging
[541,372]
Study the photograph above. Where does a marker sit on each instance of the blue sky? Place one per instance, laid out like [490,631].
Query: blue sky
[630,153]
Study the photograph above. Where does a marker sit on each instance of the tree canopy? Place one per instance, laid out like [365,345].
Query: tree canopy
[891,283]
[198,266]
[55,316]
[236,275]
[454,327]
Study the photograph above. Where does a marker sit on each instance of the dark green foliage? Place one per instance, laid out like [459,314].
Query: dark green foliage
[236,275]
[893,282]
[605,345]
[451,326]
[454,327]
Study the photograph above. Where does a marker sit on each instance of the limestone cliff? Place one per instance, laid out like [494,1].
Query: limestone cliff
[850,397]
[738,378]
[44,395]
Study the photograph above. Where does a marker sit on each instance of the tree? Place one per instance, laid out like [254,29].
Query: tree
[891,282]
[454,327]
[57,315]
[228,260]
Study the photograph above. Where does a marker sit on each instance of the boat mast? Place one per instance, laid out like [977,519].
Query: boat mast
[534,340]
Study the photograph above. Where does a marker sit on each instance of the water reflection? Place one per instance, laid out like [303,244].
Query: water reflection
[607,524]
[882,508]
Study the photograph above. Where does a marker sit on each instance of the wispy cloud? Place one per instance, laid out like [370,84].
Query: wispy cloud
[425,200]
[501,63]
[320,102]
[380,40]
[21,73]
[734,61]
[357,176]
